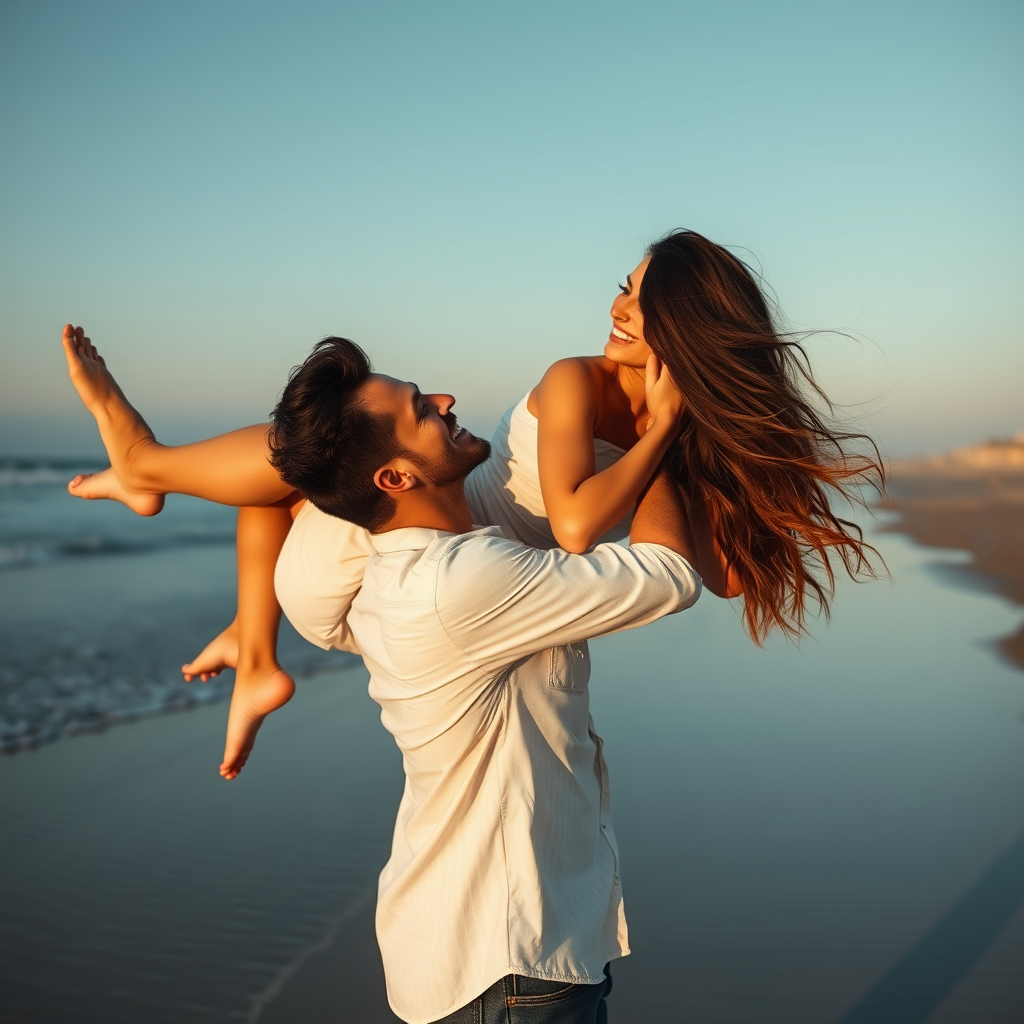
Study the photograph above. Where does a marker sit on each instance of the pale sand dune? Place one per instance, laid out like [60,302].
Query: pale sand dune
[971,499]
[1007,454]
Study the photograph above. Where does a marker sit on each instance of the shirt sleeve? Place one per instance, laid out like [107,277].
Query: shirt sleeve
[500,600]
[319,572]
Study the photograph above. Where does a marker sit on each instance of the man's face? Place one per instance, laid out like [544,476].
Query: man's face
[426,428]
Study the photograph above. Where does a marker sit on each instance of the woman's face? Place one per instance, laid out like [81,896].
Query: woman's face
[626,344]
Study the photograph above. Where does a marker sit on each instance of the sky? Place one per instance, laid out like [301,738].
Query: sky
[211,187]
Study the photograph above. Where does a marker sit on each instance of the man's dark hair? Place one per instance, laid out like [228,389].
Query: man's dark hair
[326,444]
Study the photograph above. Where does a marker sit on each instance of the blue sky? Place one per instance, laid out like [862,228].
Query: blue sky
[210,187]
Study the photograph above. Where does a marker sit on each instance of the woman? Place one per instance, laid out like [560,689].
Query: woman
[753,458]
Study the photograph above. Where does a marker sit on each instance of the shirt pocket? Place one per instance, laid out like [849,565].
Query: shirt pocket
[570,668]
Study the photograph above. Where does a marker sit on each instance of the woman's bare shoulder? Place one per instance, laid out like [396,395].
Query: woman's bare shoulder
[579,379]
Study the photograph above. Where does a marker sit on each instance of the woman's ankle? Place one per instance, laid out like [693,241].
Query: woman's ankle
[137,469]
[257,666]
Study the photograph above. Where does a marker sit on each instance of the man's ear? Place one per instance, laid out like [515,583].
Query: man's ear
[396,476]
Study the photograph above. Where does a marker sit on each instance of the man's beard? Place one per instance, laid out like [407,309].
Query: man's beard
[454,466]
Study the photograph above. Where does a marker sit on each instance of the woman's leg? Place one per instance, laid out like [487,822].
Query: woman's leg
[261,685]
[232,469]
[220,653]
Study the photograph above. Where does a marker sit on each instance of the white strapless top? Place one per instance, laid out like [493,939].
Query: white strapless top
[320,568]
[505,490]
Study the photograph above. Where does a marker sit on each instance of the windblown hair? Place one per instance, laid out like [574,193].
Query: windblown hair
[326,444]
[753,450]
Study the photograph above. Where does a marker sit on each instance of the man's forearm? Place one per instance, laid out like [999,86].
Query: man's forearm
[661,517]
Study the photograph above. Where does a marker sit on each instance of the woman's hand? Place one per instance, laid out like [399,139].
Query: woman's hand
[665,402]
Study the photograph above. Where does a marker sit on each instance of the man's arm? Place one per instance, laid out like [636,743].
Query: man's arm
[499,600]
[664,516]
[661,517]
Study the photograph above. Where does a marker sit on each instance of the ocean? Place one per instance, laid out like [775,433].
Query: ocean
[100,607]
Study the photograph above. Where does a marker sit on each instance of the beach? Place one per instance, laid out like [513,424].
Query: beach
[807,835]
[138,885]
[784,251]
[971,500]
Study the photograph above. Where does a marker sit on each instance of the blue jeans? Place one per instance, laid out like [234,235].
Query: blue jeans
[518,1000]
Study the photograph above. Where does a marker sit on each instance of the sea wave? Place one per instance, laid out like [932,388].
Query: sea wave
[40,523]
[21,554]
[19,472]
[52,690]
[101,641]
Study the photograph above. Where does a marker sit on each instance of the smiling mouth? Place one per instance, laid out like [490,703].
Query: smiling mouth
[623,336]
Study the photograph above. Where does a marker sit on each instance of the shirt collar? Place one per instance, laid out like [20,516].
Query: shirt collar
[415,538]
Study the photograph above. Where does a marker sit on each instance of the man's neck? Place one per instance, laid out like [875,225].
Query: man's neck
[432,508]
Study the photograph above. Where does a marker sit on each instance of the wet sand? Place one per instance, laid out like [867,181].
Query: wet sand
[138,885]
[945,503]
[807,835]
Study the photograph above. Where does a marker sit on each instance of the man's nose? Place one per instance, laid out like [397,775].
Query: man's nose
[442,403]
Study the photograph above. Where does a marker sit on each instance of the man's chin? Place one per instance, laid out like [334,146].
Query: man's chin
[481,450]
[460,463]
[474,453]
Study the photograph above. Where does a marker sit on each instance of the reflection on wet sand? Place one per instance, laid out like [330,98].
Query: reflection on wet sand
[971,500]
[912,990]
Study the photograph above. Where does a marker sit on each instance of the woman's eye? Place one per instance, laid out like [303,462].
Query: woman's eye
[623,289]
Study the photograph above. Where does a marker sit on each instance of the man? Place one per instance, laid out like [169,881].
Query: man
[502,894]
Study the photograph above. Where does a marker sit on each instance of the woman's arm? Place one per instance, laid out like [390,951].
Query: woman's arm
[582,505]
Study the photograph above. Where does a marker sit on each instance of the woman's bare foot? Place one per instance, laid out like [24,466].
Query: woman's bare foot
[254,697]
[94,383]
[121,427]
[220,653]
[106,485]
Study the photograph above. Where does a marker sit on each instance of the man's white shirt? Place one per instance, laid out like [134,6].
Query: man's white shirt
[503,859]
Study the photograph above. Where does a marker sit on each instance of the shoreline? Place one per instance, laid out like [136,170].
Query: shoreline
[235,887]
[952,504]
[207,696]
[94,643]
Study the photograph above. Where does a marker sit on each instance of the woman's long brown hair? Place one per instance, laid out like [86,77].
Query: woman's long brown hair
[753,449]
